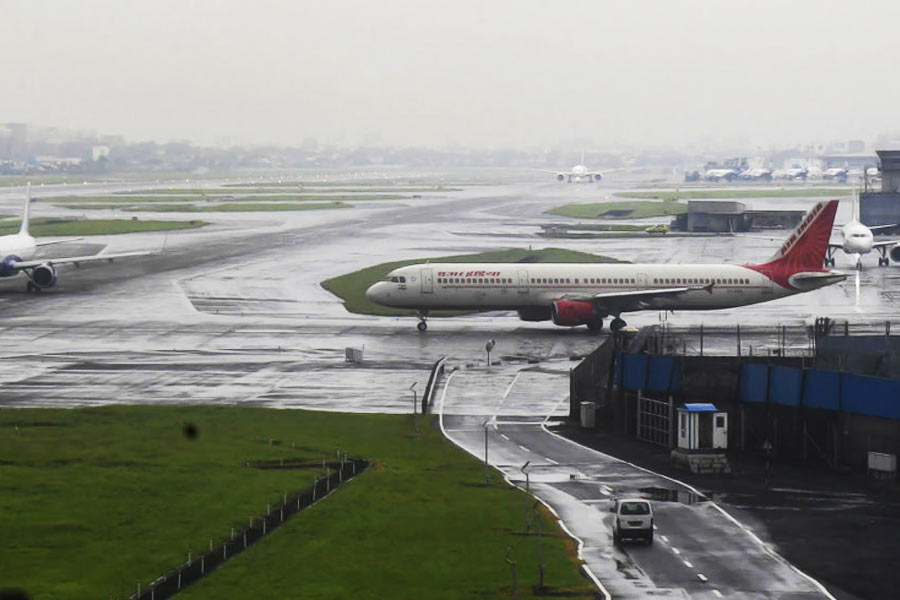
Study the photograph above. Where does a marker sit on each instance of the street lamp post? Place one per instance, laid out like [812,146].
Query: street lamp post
[488,347]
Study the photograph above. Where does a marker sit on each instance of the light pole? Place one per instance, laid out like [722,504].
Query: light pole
[512,563]
[488,347]
[487,476]
[524,469]
[537,516]
[415,395]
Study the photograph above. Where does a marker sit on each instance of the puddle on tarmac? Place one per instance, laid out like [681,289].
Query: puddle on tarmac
[666,495]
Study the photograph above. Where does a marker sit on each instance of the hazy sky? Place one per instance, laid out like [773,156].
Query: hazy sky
[481,73]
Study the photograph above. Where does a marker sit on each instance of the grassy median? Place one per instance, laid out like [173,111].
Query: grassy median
[351,288]
[635,209]
[47,226]
[739,193]
[94,500]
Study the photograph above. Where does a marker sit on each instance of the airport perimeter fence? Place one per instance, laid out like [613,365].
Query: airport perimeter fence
[775,340]
[238,540]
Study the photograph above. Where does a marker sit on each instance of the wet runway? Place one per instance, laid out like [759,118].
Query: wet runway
[234,313]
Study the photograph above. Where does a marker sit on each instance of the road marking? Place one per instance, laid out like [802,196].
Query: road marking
[688,564]
[504,436]
[702,577]
[655,528]
[523,448]
[604,492]
[551,461]
[664,538]
[717,594]
[676,550]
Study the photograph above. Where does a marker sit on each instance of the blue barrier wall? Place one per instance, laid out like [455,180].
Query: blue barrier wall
[785,386]
[822,389]
[754,382]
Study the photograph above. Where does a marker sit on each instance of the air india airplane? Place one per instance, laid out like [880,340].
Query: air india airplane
[585,294]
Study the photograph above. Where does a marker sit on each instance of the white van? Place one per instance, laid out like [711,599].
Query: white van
[633,519]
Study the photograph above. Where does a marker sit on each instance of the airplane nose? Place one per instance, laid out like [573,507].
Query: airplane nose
[374,294]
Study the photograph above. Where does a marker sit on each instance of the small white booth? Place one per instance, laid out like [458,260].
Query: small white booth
[702,427]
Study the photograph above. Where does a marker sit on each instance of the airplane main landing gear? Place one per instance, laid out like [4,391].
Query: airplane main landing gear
[595,326]
[422,326]
[616,324]
[30,287]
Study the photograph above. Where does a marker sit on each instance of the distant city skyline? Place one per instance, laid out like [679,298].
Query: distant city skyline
[502,74]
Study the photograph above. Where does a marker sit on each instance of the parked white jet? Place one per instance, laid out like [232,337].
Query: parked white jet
[857,239]
[17,251]
[586,294]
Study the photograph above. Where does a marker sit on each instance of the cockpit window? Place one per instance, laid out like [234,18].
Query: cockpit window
[395,279]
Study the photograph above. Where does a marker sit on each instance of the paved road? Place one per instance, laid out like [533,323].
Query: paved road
[700,552]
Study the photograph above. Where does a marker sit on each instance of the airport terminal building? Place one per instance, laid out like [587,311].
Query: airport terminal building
[883,208]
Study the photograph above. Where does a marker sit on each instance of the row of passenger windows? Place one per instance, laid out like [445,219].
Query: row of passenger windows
[495,280]
[590,280]
[702,281]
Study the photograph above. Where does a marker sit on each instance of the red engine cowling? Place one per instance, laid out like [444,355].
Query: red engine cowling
[572,313]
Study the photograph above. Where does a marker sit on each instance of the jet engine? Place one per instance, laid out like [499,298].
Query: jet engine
[560,177]
[6,268]
[44,276]
[572,313]
[895,254]
[597,177]
[536,313]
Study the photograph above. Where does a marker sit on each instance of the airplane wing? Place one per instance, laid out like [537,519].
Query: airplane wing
[76,260]
[885,243]
[58,242]
[874,227]
[632,299]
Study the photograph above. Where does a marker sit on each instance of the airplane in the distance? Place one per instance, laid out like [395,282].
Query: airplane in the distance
[18,250]
[857,239]
[586,294]
[579,173]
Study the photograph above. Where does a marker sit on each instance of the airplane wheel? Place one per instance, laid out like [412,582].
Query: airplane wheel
[859,265]
[422,326]
[595,326]
[616,325]
[30,287]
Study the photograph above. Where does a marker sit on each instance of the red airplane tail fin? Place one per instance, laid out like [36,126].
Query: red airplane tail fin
[805,248]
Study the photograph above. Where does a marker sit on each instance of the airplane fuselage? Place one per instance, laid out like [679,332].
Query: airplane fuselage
[15,247]
[857,238]
[486,286]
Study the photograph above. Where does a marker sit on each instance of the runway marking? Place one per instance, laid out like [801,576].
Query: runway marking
[717,594]
[504,436]
[605,492]
[523,448]
[595,501]
[702,577]
[688,564]
[676,550]
[664,538]
[551,461]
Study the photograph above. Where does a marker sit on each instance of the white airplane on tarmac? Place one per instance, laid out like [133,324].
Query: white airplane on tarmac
[586,294]
[18,249]
[579,173]
[857,239]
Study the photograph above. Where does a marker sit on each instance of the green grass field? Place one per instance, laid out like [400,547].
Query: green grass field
[224,207]
[739,193]
[635,209]
[351,288]
[94,500]
[45,226]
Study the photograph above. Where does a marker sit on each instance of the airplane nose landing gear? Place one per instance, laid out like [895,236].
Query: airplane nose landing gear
[422,326]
